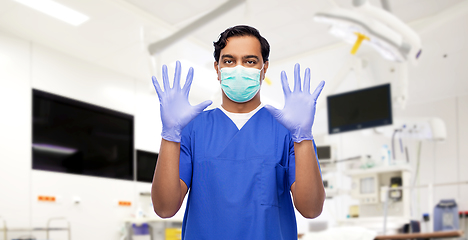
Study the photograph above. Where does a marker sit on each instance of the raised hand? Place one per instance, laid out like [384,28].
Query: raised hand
[299,108]
[176,111]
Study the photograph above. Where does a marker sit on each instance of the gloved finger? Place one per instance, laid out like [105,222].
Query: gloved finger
[177,73]
[274,111]
[188,82]
[157,87]
[297,77]
[200,107]
[306,87]
[318,90]
[285,84]
[165,78]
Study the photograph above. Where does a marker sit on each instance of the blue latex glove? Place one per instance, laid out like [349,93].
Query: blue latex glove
[176,111]
[299,107]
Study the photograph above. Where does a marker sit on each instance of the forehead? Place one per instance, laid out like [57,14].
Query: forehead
[239,46]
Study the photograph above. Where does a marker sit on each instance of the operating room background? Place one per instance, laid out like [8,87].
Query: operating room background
[105,63]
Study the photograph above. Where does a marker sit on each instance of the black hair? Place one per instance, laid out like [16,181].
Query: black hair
[240,30]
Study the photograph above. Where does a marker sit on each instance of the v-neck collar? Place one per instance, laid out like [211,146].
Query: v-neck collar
[256,110]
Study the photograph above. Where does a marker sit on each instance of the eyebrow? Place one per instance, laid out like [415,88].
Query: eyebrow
[227,56]
[244,57]
[250,56]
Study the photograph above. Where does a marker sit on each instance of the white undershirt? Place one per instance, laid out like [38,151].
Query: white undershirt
[240,118]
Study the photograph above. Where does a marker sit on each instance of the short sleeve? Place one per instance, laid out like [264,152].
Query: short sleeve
[185,160]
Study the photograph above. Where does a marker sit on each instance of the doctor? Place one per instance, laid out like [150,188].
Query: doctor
[240,160]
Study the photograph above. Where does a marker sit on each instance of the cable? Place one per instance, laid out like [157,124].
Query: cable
[401,142]
[393,143]
[406,153]
[416,176]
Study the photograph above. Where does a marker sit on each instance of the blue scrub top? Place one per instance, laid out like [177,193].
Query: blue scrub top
[239,180]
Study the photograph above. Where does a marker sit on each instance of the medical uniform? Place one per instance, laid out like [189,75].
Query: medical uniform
[239,179]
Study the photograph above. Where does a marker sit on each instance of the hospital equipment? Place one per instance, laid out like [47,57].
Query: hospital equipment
[145,165]
[430,204]
[395,194]
[370,186]
[430,128]
[383,31]
[155,227]
[367,183]
[71,136]
[363,108]
[176,111]
[329,184]
[47,229]
[141,232]
[299,109]
[325,153]
[446,216]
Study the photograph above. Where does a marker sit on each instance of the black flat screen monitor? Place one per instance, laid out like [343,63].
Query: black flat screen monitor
[146,163]
[364,108]
[324,152]
[74,137]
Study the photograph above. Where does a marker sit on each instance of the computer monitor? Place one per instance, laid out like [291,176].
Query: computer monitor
[75,137]
[146,163]
[364,108]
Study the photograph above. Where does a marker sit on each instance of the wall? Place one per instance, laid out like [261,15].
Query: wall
[25,65]
[438,87]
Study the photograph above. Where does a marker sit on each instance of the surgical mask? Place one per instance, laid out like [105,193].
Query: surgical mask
[240,84]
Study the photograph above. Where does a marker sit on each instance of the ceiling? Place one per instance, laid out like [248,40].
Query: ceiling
[118,32]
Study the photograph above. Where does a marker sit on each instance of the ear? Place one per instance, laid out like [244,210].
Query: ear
[216,68]
[265,68]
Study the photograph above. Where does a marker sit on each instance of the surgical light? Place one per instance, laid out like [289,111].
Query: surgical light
[56,10]
[383,31]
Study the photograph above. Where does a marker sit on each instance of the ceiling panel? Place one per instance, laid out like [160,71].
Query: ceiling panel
[6,6]
[174,12]
[118,30]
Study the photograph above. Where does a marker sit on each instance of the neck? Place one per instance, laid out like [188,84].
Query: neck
[245,107]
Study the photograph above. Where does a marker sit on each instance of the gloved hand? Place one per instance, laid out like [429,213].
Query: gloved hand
[299,107]
[176,111]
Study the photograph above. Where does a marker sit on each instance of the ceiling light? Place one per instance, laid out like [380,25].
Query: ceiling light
[56,10]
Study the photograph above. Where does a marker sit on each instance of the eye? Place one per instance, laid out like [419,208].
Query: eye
[251,62]
[227,61]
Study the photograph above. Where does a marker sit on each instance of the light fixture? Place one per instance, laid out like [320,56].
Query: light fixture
[56,10]
[383,31]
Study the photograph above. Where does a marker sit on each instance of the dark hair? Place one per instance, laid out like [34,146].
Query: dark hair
[240,30]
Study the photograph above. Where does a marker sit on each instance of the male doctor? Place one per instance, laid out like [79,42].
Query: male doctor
[240,160]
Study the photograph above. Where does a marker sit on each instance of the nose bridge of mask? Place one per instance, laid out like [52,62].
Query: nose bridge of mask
[239,70]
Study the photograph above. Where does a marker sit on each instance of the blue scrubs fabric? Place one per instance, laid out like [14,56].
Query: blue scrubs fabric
[239,180]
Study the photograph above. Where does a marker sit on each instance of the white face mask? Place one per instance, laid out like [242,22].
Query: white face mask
[240,84]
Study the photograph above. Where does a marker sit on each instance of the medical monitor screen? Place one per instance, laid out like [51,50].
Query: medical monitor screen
[365,108]
[324,152]
[74,137]
[146,163]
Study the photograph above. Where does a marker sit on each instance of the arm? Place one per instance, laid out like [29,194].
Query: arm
[308,192]
[168,190]
[298,117]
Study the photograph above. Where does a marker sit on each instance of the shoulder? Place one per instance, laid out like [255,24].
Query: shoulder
[200,120]
[267,116]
